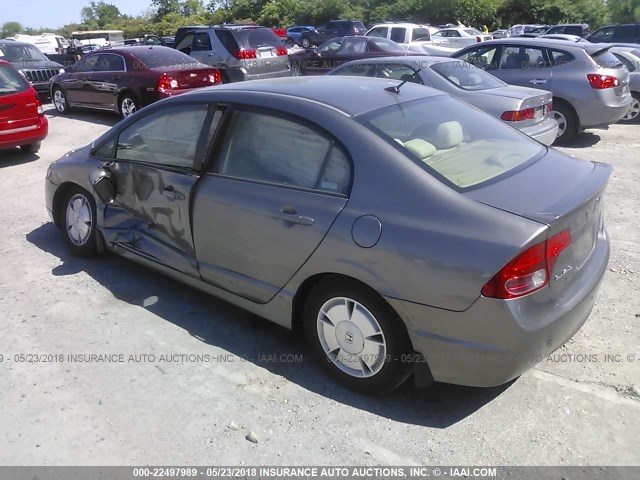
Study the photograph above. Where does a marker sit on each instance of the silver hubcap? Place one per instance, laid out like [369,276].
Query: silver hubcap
[128,107]
[351,337]
[79,219]
[295,71]
[562,122]
[634,110]
[59,101]
[306,43]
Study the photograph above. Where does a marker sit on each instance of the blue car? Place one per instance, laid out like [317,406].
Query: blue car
[293,33]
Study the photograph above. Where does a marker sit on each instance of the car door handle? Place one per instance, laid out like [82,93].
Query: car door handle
[538,81]
[172,194]
[290,214]
[116,77]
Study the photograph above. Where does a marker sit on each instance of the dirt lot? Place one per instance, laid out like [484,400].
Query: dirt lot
[577,407]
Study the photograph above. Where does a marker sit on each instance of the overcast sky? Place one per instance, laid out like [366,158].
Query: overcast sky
[56,13]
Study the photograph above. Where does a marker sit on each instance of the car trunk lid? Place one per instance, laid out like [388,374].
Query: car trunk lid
[562,192]
[534,106]
[192,77]
[18,110]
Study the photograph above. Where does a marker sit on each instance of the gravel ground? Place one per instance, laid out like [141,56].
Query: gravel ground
[160,406]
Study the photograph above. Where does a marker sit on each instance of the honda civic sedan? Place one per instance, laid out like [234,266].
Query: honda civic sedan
[404,231]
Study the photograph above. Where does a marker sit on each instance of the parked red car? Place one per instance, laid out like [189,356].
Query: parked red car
[22,120]
[126,79]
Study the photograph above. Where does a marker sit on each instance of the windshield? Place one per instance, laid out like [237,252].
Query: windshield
[257,37]
[466,76]
[21,53]
[473,31]
[456,143]
[164,57]
[11,81]
[388,45]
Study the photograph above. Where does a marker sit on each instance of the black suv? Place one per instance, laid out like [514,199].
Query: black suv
[627,33]
[579,29]
[31,63]
[331,29]
[241,52]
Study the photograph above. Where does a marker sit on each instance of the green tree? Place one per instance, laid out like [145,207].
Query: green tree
[165,7]
[10,29]
[624,11]
[99,14]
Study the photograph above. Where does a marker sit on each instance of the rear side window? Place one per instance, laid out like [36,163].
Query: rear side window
[398,34]
[257,37]
[201,42]
[227,40]
[273,149]
[560,57]
[11,81]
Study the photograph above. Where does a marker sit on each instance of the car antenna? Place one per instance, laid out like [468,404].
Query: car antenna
[396,88]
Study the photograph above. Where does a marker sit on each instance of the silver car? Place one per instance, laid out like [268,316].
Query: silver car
[630,57]
[405,232]
[526,109]
[590,85]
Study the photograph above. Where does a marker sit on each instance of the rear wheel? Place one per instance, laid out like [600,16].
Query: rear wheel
[296,71]
[60,100]
[633,114]
[31,148]
[128,105]
[357,336]
[78,220]
[567,123]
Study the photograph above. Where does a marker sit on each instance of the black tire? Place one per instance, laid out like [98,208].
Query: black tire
[568,121]
[73,218]
[305,42]
[59,100]
[31,148]
[633,115]
[296,70]
[128,105]
[290,42]
[390,364]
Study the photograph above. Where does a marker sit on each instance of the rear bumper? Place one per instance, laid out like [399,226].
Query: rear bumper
[604,110]
[495,341]
[545,132]
[25,136]
[276,74]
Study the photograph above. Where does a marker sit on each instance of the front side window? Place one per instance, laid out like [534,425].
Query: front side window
[352,46]
[185,44]
[87,64]
[276,150]
[332,46]
[461,146]
[201,42]
[168,137]
[602,35]
[485,58]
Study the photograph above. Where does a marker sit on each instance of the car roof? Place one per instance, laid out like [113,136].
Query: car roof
[548,42]
[16,42]
[350,95]
[401,24]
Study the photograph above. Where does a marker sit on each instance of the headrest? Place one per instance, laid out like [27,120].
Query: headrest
[448,135]
[419,147]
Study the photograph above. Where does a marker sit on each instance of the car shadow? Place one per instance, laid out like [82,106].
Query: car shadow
[86,115]
[584,140]
[14,156]
[280,351]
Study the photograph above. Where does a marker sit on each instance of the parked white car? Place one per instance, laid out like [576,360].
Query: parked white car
[402,33]
[47,43]
[460,36]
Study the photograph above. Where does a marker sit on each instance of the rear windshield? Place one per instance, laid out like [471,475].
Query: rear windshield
[11,81]
[21,53]
[473,31]
[257,37]
[163,57]
[460,145]
[466,76]
[606,59]
[359,25]
[388,45]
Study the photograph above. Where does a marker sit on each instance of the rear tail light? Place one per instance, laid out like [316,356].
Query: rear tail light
[519,115]
[215,77]
[167,83]
[39,107]
[529,271]
[245,54]
[281,51]
[601,82]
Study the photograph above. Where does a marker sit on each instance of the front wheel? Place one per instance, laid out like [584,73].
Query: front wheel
[78,220]
[633,114]
[567,123]
[296,71]
[60,100]
[128,106]
[357,336]
[305,42]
